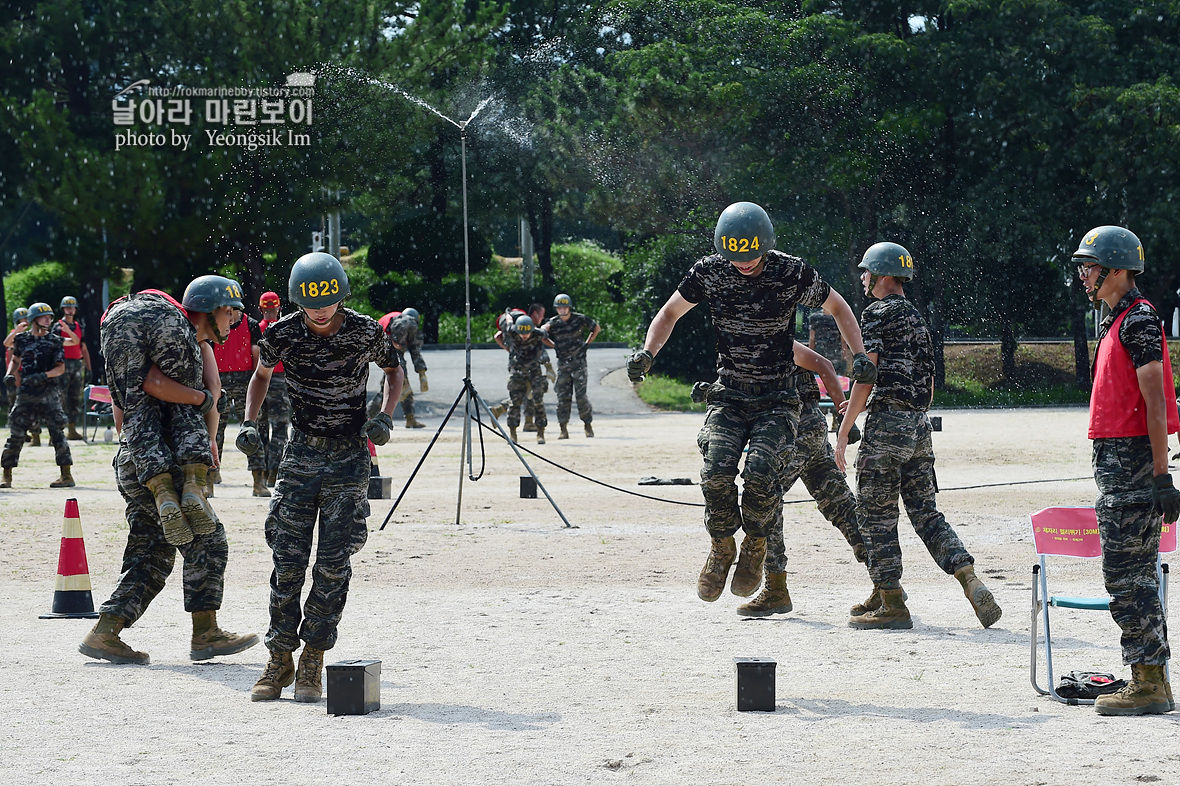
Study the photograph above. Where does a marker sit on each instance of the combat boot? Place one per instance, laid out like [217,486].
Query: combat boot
[712,579]
[260,489]
[278,674]
[73,433]
[103,643]
[209,484]
[309,684]
[589,430]
[215,476]
[512,433]
[565,434]
[748,574]
[982,600]
[412,422]
[210,641]
[892,613]
[529,425]
[1145,694]
[66,480]
[773,599]
[872,602]
[35,439]
[7,482]
[177,530]
[193,500]
[499,411]
[540,435]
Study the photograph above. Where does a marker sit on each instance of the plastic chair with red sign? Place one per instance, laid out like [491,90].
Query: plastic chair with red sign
[96,405]
[1072,532]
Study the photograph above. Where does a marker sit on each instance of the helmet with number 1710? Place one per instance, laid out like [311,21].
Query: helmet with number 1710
[317,280]
[888,259]
[206,294]
[1113,247]
[743,232]
[524,325]
[69,300]
[412,313]
[563,300]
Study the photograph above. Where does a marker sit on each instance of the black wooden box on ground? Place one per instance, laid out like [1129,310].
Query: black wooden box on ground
[380,488]
[755,684]
[936,423]
[354,687]
[528,487]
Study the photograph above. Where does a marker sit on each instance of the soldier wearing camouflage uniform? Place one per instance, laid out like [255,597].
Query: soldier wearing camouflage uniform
[897,455]
[403,332]
[157,372]
[752,291]
[73,382]
[570,334]
[812,460]
[325,350]
[41,358]
[524,344]
[236,360]
[1132,411]
[274,422]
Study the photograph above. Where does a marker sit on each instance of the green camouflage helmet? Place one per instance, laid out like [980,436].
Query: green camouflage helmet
[69,300]
[205,294]
[1112,247]
[888,259]
[524,325]
[39,310]
[317,280]
[563,300]
[412,313]
[19,314]
[743,232]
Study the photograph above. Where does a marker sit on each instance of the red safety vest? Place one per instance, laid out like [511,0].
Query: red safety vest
[164,295]
[74,352]
[385,320]
[278,369]
[1117,408]
[235,354]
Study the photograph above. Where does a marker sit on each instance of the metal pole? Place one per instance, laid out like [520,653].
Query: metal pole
[465,448]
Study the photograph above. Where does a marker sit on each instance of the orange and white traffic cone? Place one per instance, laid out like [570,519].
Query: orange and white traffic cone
[71,596]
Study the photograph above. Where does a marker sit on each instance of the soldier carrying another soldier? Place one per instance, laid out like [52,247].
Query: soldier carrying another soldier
[524,343]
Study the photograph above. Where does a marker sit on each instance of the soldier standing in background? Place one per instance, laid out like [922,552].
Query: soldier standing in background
[325,350]
[41,359]
[570,333]
[154,349]
[236,361]
[752,291]
[73,382]
[406,337]
[524,344]
[275,419]
[1132,412]
[897,455]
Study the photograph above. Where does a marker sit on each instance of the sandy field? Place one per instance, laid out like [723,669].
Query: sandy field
[515,650]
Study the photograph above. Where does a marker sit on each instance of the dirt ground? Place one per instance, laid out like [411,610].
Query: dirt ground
[515,650]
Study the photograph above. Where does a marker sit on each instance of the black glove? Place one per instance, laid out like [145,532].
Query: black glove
[207,404]
[248,441]
[863,369]
[10,383]
[854,434]
[639,365]
[377,428]
[1165,499]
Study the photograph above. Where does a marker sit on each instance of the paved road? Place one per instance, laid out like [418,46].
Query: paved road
[608,389]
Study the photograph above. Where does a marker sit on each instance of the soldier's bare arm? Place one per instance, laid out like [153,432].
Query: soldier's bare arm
[500,339]
[69,338]
[838,308]
[813,361]
[661,326]
[56,371]
[256,391]
[1151,386]
[394,379]
[856,405]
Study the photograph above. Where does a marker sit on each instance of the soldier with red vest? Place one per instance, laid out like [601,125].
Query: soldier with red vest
[236,360]
[274,421]
[1132,412]
[73,382]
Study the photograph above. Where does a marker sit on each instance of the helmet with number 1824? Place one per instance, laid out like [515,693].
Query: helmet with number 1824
[317,280]
[743,232]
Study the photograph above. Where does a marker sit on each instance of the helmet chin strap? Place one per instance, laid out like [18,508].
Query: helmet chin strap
[218,336]
[1094,299]
[873,279]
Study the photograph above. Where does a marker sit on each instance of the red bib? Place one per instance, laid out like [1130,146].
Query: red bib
[1117,408]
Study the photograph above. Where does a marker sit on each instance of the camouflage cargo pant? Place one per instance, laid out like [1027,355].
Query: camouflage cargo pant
[530,386]
[407,399]
[734,420]
[148,558]
[896,458]
[72,386]
[813,461]
[28,412]
[233,404]
[274,421]
[137,333]
[571,383]
[329,482]
[1130,542]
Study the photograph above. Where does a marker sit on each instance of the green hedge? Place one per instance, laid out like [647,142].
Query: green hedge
[46,282]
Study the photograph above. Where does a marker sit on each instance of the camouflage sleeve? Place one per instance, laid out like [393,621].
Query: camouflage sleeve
[20,344]
[58,354]
[1142,335]
[872,327]
[414,343]
[815,289]
[692,287]
[380,349]
[269,347]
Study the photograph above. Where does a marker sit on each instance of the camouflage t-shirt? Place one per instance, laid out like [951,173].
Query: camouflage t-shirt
[525,356]
[37,353]
[569,336]
[754,318]
[1141,331]
[894,329]
[827,336]
[327,375]
[404,330]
